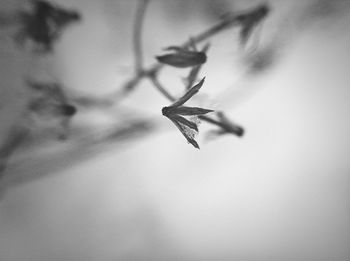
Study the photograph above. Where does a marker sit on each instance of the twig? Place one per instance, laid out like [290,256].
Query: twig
[237,130]
[152,72]
[205,35]
[154,69]
[137,37]
[160,88]
[84,145]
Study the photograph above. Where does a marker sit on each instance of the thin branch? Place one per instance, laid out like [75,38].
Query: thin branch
[154,69]
[160,88]
[237,130]
[152,72]
[137,37]
[84,145]
[205,35]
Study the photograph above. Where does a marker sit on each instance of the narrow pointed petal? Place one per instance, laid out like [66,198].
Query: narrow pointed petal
[187,111]
[185,134]
[188,95]
[185,122]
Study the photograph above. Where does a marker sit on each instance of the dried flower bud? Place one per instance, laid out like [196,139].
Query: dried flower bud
[175,113]
[68,110]
[182,58]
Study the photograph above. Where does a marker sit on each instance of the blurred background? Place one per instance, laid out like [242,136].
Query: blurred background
[281,192]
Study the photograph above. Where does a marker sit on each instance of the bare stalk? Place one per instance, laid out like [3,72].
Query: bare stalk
[152,72]
[154,69]
[237,130]
[161,88]
[137,37]
[224,24]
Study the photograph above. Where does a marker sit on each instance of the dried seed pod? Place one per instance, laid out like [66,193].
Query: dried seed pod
[182,58]
[188,127]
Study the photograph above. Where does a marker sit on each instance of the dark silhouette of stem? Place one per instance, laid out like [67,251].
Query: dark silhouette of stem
[237,130]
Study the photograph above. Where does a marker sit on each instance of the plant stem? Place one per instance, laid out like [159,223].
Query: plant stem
[160,88]
[152,72]
[224,24]
[137,37]
[237,130]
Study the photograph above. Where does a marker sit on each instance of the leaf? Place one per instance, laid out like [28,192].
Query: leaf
[187,111]
[189,94]
[185,133]
[183,58]
[187,127]
[185,122]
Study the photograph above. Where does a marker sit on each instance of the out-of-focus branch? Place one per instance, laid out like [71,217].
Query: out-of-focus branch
[224,24]
[151,71]
[161,88]
[235,129]
[83,145]
[137,37]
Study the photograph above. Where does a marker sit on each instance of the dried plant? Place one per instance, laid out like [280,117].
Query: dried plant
[44,24]
[176,111]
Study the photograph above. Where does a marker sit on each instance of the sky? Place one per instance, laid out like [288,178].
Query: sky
[281,192]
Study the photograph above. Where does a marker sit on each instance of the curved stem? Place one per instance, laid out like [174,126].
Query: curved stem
[137,36]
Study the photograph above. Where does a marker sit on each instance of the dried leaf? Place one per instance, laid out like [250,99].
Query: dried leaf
[188,111]
[186,122]
[182,58]
[188,128]
[188,95]
[188,135]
